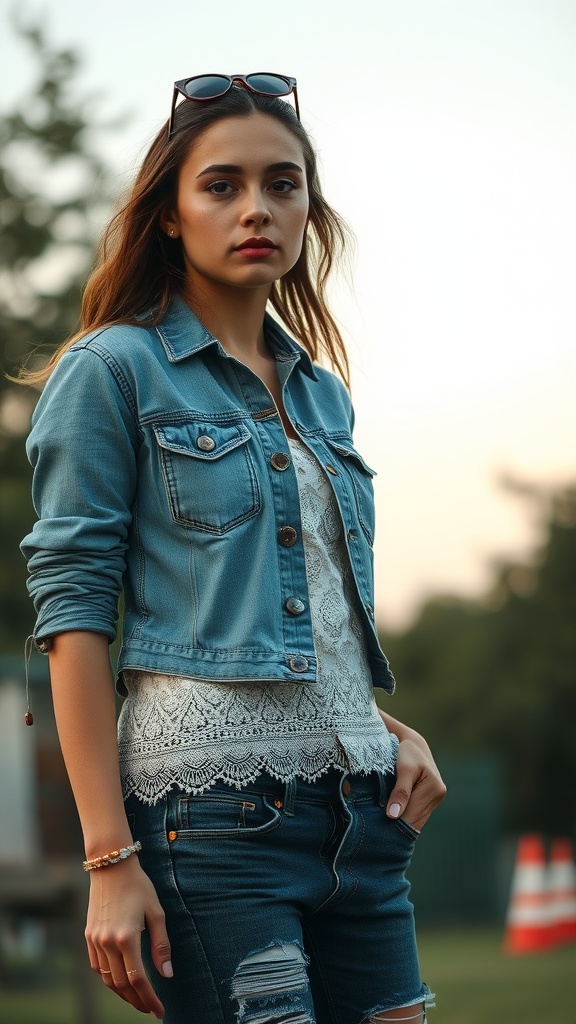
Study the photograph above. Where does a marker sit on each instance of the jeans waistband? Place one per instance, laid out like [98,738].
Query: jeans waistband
[328,787]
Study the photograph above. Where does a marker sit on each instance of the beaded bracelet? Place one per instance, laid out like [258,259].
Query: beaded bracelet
[111,858]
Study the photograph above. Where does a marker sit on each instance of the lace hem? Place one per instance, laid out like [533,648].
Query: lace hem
[194,770]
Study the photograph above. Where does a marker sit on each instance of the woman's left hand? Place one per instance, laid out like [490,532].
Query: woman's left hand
[419,787]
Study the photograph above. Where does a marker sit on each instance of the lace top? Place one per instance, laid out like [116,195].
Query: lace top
[175,730]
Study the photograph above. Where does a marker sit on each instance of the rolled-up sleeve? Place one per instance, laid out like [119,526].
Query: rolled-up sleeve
[83,446]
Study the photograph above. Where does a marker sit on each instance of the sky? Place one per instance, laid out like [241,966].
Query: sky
[446,134]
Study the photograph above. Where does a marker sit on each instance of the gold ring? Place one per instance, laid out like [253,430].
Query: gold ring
[105,972]
[132,972]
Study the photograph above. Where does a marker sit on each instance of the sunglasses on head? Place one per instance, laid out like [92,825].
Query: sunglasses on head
[210,87]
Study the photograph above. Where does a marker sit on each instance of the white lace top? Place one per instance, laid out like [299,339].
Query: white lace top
[190,732]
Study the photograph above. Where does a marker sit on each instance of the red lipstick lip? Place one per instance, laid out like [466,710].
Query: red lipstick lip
[257,243]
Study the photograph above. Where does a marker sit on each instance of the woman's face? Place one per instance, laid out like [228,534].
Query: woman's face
[242,204]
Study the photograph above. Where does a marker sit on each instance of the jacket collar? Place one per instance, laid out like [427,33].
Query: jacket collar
[183,335]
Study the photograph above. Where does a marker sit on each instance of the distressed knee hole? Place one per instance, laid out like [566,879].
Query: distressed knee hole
[270,972]
[401,1014]
[272,1017]
[265,985]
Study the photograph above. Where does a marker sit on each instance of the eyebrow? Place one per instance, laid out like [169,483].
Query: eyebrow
[284,165]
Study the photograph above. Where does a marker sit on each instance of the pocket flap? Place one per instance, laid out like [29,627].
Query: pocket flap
[346,449]
[201,440]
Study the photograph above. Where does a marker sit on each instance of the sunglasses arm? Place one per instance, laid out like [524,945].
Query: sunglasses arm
[295,91]
[173,108]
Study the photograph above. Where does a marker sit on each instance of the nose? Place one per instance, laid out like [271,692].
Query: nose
[255,209]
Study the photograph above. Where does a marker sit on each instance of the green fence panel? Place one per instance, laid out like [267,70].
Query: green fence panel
[455,869]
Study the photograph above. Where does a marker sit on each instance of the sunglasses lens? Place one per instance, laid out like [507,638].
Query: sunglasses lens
[270,85]
[207,87]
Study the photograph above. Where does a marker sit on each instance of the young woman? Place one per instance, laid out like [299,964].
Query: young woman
[190,454]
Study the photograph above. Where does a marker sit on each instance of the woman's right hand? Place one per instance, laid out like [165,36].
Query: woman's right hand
[123,903]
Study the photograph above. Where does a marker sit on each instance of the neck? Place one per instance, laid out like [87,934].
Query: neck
[235,316]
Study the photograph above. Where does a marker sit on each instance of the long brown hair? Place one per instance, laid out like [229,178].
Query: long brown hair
[139,269]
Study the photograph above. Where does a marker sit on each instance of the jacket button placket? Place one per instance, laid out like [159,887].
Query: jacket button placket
[287,536]
[295,606]
[298,663]
[280,461]
[297,627]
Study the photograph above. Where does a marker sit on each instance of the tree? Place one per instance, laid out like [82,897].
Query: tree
[53,191]
[500,674]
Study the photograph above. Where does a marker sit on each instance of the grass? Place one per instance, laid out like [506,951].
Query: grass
[57,1006]
[474,984]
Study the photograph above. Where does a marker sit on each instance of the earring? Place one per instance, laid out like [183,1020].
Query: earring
[171,232]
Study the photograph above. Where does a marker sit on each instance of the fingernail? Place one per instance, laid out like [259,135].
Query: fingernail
[167,969]
[394,810]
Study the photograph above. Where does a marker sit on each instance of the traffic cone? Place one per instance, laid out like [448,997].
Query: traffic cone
[562,892]
[528,924]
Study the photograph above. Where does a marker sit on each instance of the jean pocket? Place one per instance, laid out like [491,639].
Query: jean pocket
[387,783]
[209,474]
[407,829]
[360,476]
[226,814]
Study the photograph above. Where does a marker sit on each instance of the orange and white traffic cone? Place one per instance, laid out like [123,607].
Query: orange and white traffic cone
[528,923]
[562,892]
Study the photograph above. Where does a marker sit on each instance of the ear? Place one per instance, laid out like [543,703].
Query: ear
[169,223]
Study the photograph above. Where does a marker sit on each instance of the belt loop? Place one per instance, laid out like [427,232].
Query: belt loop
[289,797]
[383,798]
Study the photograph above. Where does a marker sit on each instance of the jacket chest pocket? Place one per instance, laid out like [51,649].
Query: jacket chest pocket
[209,474]
[360,476]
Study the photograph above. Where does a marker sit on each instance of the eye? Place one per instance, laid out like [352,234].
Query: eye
[283,185]
[220,188]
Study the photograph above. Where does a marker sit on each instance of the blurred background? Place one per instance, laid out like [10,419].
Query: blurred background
[446,136]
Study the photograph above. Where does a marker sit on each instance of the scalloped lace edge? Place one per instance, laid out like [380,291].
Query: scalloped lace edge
[151,777]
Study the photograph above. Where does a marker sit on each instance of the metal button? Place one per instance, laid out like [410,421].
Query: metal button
[287,536]
[346,787]
[205,443]
[295,606]
[298,663]
[172,836]
[332,470]
[280,461]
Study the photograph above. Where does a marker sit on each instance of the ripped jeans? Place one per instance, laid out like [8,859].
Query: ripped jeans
[286,903]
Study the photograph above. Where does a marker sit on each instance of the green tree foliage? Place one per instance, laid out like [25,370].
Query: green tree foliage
[500,674]
[52,198]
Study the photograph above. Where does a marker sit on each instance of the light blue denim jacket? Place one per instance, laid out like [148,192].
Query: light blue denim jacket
[161,467]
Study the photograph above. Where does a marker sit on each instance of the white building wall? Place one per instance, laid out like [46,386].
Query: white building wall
[19,840]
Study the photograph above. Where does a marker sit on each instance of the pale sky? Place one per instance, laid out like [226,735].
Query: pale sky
[446,132]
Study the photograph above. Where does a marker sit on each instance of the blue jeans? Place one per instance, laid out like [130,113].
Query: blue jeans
[284,901]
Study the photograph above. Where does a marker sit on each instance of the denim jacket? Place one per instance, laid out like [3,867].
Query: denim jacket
[161,468]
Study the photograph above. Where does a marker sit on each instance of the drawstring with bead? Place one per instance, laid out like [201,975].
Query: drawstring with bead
[28,717]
